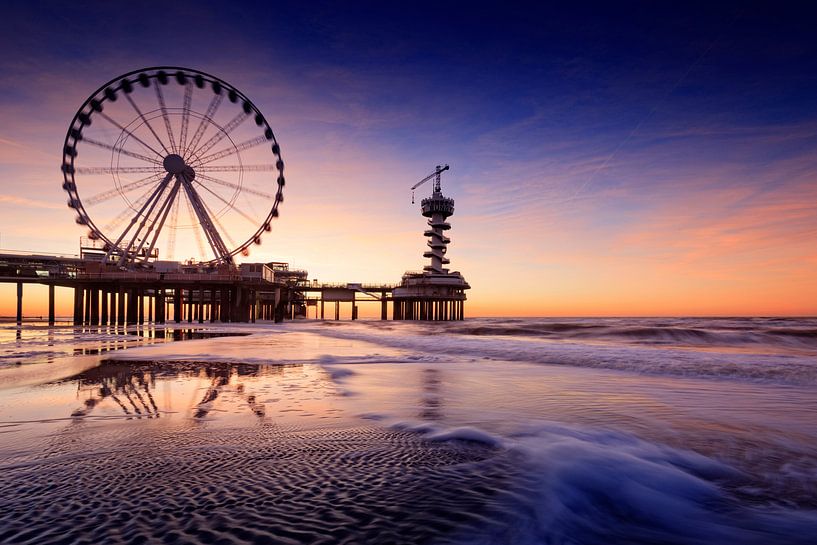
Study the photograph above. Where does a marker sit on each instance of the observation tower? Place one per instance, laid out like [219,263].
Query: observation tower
[436,293]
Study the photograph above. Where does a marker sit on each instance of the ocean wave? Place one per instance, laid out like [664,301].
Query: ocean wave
[644,331]
[654,360]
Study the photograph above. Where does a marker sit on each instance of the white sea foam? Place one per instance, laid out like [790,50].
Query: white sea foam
[578,485]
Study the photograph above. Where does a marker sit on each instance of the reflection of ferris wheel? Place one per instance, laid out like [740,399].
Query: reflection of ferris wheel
[162,163]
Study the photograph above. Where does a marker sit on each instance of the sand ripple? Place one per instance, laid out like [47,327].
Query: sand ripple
[154,483]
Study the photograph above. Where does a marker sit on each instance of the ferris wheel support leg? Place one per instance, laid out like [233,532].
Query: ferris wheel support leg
[163,212]
[159,189]
[143,238]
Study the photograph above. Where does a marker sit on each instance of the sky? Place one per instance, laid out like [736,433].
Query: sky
[607,159]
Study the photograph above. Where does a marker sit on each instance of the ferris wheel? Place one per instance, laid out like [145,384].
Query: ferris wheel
[174,161]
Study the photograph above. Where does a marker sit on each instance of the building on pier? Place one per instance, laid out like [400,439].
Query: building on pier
[436,293]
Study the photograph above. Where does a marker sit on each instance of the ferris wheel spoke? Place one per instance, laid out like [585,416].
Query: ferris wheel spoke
[208,116]
[220,250]
[233,186]
[188,98]
[115,123]
[118,149]
[160,97]
[137,240]
[230,204]
[146,122]
[113,170]
[125,188]
[238,168]
[226,232]
[114,224]
[219,136]
[251,143]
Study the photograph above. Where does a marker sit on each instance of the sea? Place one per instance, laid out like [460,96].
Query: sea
[483,431]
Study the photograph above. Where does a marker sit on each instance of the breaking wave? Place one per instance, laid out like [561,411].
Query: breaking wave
[575,485]
[470,340]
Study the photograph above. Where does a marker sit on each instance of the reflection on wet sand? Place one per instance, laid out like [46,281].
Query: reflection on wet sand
[131,386]
[431,402]
[135,462]
[37,344]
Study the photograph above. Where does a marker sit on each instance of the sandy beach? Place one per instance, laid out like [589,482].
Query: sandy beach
[358,433]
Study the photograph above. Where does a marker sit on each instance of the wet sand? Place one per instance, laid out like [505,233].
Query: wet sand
[306,434]
[210,453]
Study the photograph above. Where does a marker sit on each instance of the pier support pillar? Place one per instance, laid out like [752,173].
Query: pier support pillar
[104,304]
[384,308]
[86,311]
[133,307]
[51,317]
[224,306]
[189,306]
[140,298]
[160,305]
[78,304]
[120,306]
[94,306]
[337,310]
[177,305]
[321,306]
[19,302]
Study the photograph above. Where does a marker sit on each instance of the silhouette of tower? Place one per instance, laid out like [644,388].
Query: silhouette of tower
[436,293]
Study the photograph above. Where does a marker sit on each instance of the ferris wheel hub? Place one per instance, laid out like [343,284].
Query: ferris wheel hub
[174,164]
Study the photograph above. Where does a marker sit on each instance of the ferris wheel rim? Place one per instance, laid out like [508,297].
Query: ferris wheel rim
[108,92]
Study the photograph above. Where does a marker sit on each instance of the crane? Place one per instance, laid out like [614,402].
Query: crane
[436,175]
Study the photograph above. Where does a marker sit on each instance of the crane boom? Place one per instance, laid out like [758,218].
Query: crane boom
[430,176]
[434,175]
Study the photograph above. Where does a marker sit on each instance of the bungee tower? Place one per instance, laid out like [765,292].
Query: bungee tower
[435,293]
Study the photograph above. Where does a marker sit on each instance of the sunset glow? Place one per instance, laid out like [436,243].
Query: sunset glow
[666,168]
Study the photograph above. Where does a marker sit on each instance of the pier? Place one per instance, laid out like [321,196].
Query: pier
[187,294]
[126,187]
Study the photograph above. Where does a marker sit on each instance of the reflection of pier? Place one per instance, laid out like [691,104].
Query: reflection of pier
[131,386]
[431,404]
